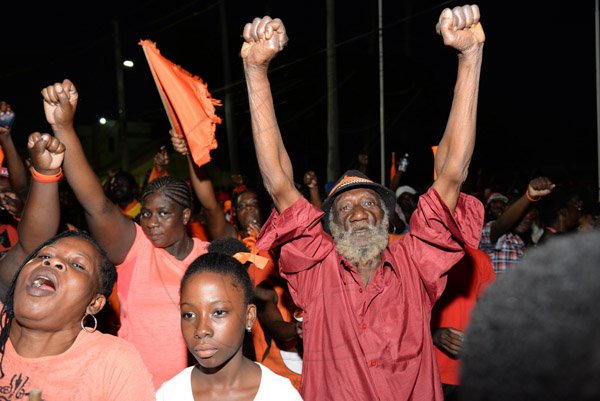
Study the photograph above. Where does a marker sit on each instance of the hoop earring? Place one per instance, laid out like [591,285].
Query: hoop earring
[89,329]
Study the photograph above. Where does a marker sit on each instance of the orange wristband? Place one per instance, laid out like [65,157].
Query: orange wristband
[530,199]
[39,177]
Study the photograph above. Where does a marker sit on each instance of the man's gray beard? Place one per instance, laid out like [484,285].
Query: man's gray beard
[378,240]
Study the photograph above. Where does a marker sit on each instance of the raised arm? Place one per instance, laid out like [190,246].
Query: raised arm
[41,214]
[106,223]
[14,163]
[311,182]
[217,225]
[264,39]
[537,188]
[461,30]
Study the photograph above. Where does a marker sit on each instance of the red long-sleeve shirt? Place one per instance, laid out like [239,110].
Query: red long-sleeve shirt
[371,343]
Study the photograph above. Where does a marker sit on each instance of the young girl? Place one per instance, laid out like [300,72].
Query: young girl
[216,309]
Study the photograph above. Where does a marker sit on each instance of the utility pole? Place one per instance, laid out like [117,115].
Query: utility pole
[121,117]
[598,91]
[333,149]
[381,95]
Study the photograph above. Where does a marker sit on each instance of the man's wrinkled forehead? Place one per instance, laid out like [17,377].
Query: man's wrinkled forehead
[357,192]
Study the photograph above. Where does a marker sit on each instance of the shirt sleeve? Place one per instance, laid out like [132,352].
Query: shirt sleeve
[302,245]
[437,237]
[299,233]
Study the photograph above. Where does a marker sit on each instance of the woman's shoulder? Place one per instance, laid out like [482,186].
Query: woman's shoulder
[107,342]
[178,387]
[275,387]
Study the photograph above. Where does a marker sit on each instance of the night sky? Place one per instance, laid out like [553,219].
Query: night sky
[537,95]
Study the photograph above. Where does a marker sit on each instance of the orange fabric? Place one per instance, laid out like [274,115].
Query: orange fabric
[96,366]
[257,260]
[466,283]
[1,155]
[197,230]
[189,105]
[148,285]
[154,174]
[267,352]
[133,209]
[258,275]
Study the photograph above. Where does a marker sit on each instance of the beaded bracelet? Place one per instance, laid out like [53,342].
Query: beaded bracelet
[530,199]
[39,177]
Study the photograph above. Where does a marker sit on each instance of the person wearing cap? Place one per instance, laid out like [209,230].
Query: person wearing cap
[367,301]
[504,238]
[406,203]
[495,205]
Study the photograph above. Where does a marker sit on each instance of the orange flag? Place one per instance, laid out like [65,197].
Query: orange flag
[393,167]
[189,105]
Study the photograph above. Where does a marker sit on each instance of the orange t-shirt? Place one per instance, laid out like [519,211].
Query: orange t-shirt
[266,350]
[197,230]
[97,367]
[466,282]
[148,285]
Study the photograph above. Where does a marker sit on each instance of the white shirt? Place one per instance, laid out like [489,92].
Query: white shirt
[273,387]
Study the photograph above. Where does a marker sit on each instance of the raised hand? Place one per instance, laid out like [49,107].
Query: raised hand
[310,179]
[161,159]
[540,186]
[7,117]
[461,29]
[179,143]
[11,202]
[46,152]
[60,103]
[264,38]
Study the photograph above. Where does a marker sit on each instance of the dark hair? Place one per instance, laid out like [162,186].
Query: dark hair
[107,274]
[174,189]
[263,202]
[534,335]
[227,246]
[552,204]
[224,265]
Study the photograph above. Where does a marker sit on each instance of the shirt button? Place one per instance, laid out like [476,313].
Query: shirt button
[363,326]
[373,363]
[360,290]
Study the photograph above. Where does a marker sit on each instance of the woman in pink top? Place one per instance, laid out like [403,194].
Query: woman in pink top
[48,339]
[151,256]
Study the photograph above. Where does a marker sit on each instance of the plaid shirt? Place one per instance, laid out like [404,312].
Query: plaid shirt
[506,253]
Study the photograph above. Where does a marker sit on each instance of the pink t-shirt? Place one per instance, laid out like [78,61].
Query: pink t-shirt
[97,367]
[148,285]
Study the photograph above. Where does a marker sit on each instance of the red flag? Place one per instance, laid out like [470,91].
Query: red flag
[393,167]
[189,105]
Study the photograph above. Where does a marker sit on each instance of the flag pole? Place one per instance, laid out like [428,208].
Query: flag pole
[161,92]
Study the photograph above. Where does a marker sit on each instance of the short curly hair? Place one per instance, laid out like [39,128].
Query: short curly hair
[535,334]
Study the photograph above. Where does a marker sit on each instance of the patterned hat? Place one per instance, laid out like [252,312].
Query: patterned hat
[353,179]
